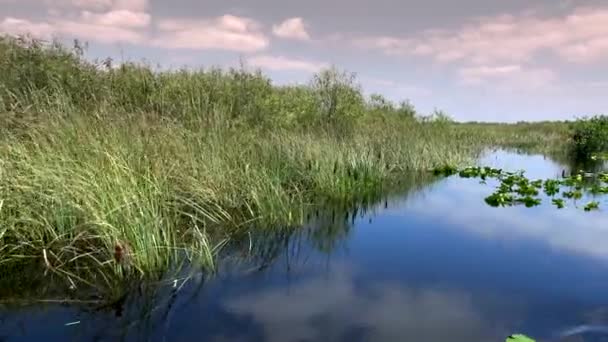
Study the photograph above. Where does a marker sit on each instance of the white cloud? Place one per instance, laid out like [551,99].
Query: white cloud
[581,37]
[118,18]
[510,76]
[99,5]
[281,63]
[87,27]
[382,85]
[105,21]
[223,33]
[99,33]
[293,28]
[121,25]
[505,49]
[485,71]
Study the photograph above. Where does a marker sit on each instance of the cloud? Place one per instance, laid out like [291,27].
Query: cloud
[99,5]
[119,18]
[485,71]
[382,85]
[122,25]
[105,21]
[511,76]
[99,33]
[130,5]
[579,37]
[227,32]
[293,28]
[586,52]
[388,45]
[111,27]
[15,26]
[85,4]
[281,63]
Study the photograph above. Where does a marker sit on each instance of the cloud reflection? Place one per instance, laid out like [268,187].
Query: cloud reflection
[334,308]
[461,204]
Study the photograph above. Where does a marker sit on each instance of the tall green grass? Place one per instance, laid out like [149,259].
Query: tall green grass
[112,172]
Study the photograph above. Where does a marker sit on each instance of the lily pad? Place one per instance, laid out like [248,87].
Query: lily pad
[519,338]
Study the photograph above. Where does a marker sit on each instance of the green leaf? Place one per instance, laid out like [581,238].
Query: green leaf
[519,338]
[559,203]
[592,206]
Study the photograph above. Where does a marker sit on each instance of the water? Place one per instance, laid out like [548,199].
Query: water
[435,264]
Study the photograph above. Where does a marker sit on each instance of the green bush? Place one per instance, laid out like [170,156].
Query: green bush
[338,94]
[590,136]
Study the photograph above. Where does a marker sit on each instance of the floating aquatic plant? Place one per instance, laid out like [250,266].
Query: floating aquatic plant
[559,203]
[519,338]
[514,188]
[593,205]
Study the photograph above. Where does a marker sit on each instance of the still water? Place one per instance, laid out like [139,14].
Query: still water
[431,264]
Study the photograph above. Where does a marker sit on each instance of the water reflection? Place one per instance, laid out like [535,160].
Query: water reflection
[561,160]
[432,264]
[327,229]
[334,308]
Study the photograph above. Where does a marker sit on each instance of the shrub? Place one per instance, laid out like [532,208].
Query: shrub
[338,94]
[589,136]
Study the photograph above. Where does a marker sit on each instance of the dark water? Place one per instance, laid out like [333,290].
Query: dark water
[434,264]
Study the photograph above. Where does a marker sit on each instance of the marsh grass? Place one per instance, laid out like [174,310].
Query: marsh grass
[75,189]
[113,173]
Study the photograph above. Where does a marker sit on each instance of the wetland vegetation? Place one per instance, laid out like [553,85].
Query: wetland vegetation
[112,172]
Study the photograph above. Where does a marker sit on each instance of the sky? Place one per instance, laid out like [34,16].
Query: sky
[482,60]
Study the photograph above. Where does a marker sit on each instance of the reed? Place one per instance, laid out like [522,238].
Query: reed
[110,173]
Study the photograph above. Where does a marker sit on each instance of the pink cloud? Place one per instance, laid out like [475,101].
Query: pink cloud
[580,37]
[293,28]
[587,52]
[281,63]
[223,33]
[15,26]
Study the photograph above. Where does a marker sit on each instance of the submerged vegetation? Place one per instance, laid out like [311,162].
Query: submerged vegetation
[115,171]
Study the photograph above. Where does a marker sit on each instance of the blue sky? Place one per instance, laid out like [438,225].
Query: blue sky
[475,59]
